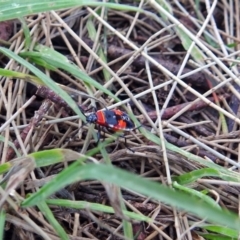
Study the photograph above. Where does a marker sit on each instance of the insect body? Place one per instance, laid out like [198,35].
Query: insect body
[115,120]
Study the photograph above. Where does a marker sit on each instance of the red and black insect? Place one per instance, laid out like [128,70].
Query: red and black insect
[114,120]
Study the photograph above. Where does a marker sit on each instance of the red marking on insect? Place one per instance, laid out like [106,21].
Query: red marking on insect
[115,120]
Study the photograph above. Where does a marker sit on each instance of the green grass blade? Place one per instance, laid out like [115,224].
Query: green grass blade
[36,81]
[92,34]
[191,177]
[55,59]
[127,225]
[196,193]
[27,77]
[47,80]
[12,10]
[209,236]
[2,223]
[110,174]
[222,230]
[53,156]
[186,42]
[26,31]
[95,207]
[51,219]
[5,167]
[127,229]
[42,158]
[166,6]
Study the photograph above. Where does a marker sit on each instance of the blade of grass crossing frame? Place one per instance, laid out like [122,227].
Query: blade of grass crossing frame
[36,81]
[53,156]
[43,158]
[47,80]
[11,10]
[108,173]
[47,54]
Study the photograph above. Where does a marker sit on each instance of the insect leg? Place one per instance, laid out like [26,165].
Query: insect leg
[98,133]
[125,143]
